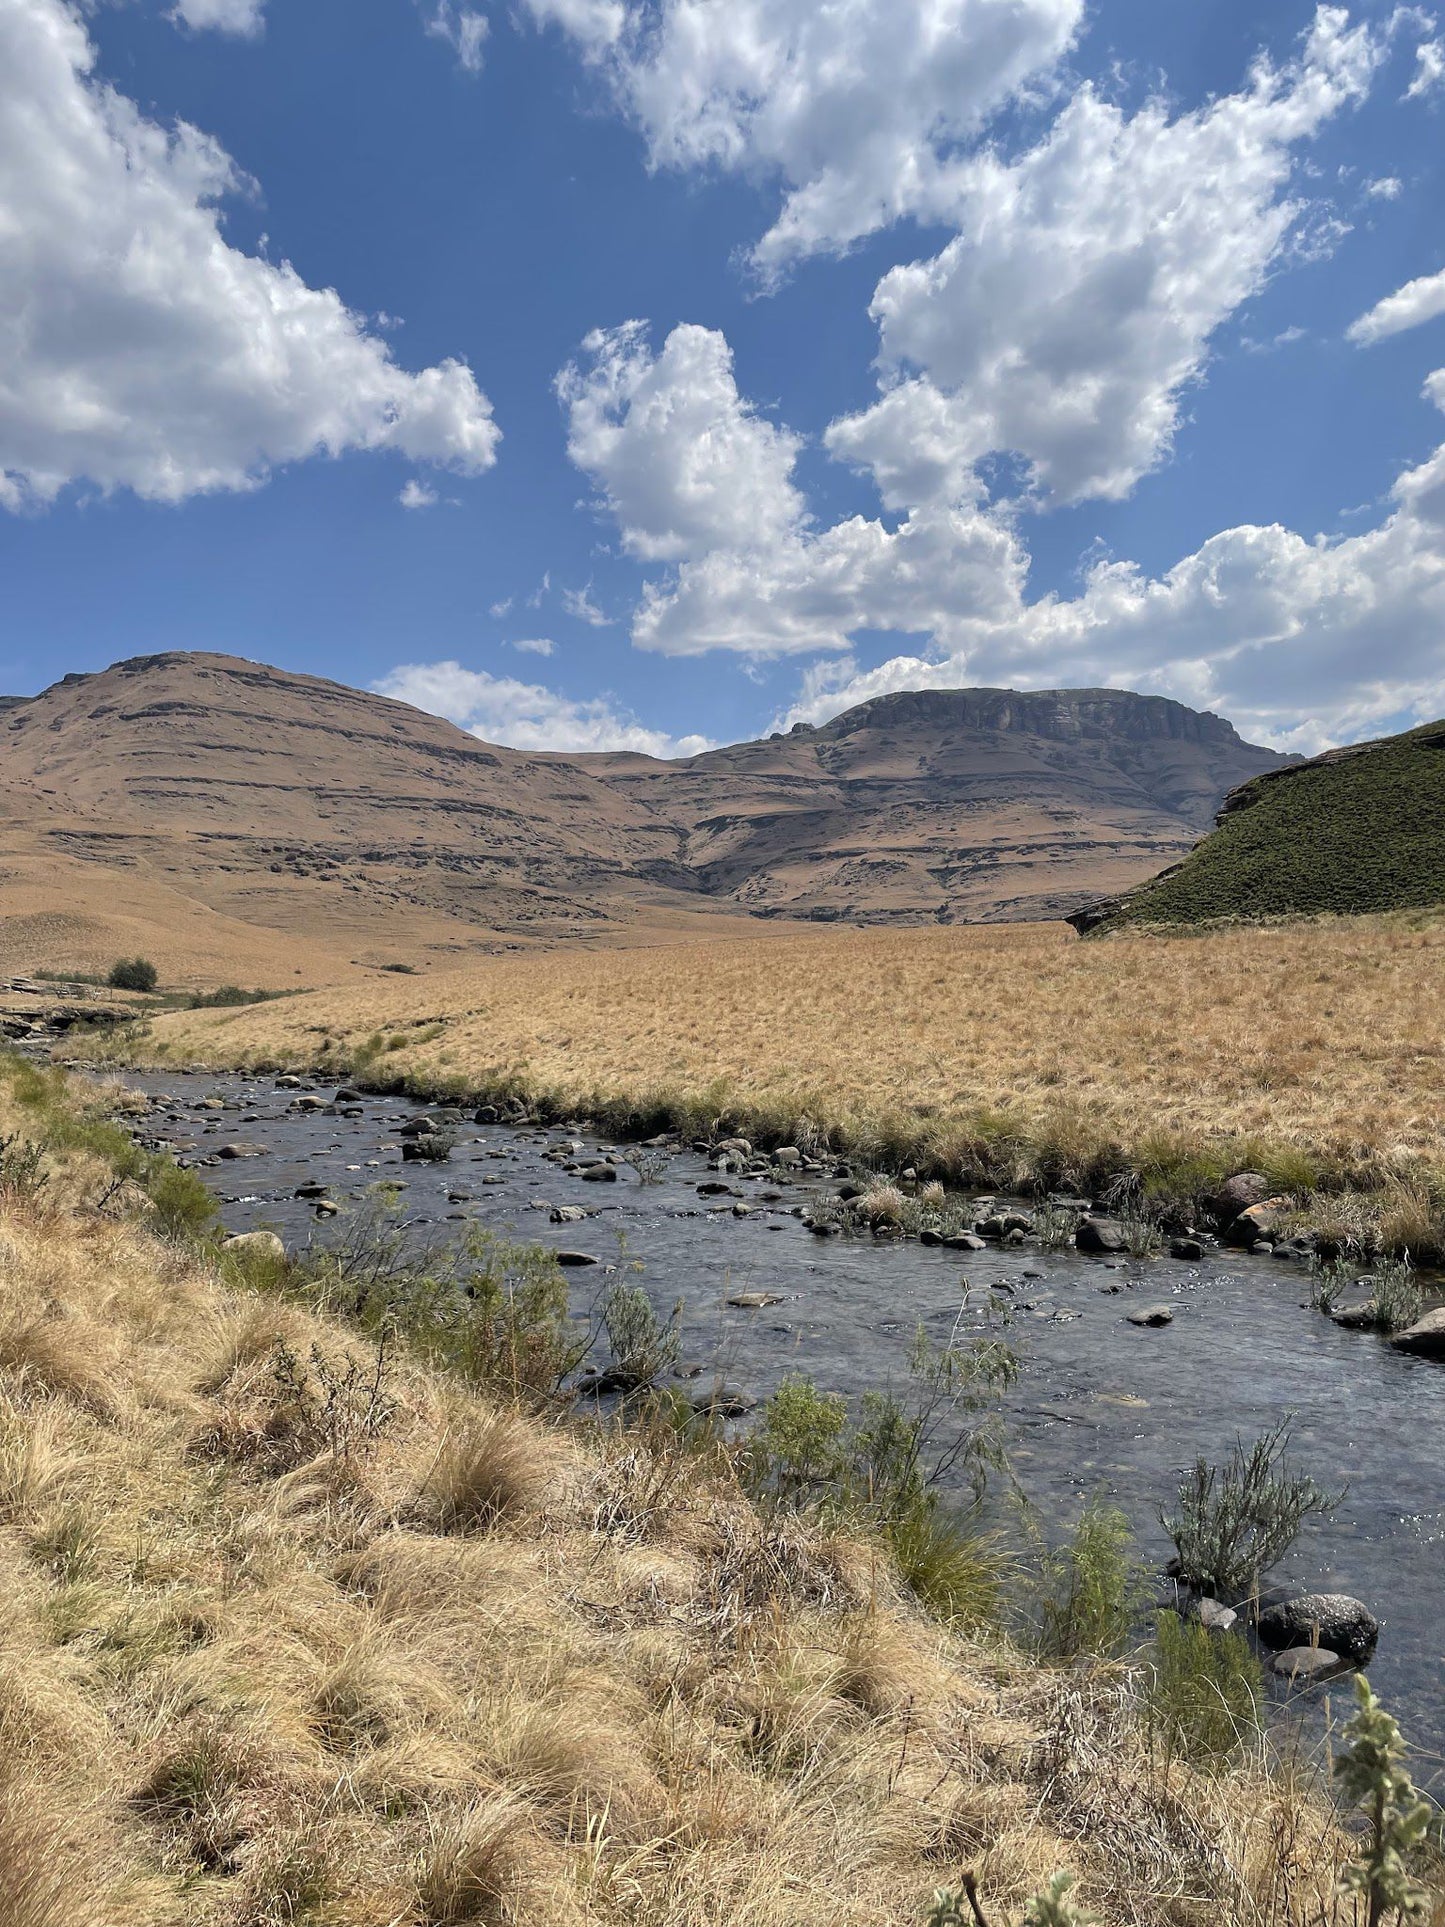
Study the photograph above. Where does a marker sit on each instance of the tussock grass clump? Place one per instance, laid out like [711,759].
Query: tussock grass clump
[486,1469]
[473,1867]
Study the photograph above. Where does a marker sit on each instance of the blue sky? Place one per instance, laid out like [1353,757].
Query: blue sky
[650,372]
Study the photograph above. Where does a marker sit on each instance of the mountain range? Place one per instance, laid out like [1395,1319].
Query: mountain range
[243,823]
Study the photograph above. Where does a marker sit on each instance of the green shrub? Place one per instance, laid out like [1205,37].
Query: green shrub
[1091,1589]
[494,1311]
[22,1170]
[797,1453]
[1372,1776]
[643,1347]
[184,1207]
[1205,1691]
[231,997]
[1233,1523]
[1398,1299]
[133,973]
[887,1468]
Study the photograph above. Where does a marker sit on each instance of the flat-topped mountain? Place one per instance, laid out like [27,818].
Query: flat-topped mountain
[262,825]
[966,804]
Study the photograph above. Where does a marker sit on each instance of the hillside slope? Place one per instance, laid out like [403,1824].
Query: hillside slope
[1355,831]
[254,824]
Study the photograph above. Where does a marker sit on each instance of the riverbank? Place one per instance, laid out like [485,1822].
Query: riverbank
[300,1627]
[1012,1056]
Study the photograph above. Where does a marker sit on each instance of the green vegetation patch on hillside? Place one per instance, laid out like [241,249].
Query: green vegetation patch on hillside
[1345,836]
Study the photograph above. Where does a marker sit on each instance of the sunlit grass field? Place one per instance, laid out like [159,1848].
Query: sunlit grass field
[1007,1053]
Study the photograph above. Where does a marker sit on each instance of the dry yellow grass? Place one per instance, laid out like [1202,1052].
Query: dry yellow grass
[951,1043]
[249,1677]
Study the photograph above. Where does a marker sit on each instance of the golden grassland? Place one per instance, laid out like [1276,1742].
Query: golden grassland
[450,1663]
[1006,1054]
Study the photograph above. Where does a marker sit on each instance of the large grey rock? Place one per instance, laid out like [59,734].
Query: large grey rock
[1152,1315]
[1329,1619]
[229,1151]
[1238,1193]
[261,1242]
[1425,1338]
[1258,1224]
[599,1173]
[308,1103]
[1100,1234]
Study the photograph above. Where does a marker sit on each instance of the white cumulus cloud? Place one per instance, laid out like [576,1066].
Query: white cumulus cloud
[535,645]
[1268,624]
[137,348]
[682,462]
[1300,640]
[1078,298]
[525,715]
[1418,301]
[243,17]
[854,108]
[416,495]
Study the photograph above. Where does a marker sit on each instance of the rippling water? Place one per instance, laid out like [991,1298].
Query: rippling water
[1100,1406]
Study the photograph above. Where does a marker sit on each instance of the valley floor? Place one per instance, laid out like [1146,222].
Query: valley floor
[1002,1055]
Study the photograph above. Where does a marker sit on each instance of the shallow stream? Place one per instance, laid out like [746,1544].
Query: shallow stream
[1100,1406]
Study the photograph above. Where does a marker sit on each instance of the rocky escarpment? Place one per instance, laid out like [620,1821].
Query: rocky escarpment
[304,810]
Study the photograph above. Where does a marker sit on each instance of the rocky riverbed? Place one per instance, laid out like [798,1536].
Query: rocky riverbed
[1130,1367]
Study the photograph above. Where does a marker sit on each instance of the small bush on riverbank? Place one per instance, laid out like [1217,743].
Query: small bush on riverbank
[1204,1692]
[493,1311]
[643,1347]
[1234,1523]
[133,973]
[1090,1589]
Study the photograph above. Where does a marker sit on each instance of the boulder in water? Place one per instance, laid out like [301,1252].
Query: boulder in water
[1329,1619]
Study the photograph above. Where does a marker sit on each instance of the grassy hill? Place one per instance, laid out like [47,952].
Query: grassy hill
[1353,832]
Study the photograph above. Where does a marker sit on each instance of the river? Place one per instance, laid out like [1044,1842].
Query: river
[1100,1406]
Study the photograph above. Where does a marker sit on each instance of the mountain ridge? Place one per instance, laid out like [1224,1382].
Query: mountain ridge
[311,813]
